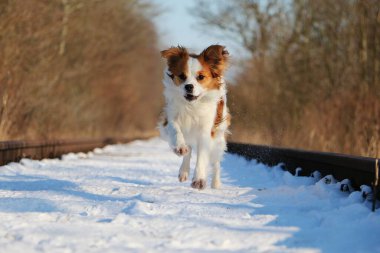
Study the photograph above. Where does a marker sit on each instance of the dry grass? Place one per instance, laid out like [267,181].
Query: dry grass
[90,68]
[77,68]
[312,80]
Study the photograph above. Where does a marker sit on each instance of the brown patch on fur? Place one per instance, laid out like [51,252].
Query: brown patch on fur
[218,117]
[219,113]
[214,61]
[177,58]
[209,82]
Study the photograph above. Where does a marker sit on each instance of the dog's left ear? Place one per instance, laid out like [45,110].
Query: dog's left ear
[216,56]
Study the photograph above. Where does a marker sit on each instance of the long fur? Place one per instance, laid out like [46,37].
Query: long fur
[200,124]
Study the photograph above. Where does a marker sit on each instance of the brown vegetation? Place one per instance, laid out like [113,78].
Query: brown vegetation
[90,68]
[77,69]
[313,76]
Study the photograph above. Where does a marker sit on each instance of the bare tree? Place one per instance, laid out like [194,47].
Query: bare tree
[313,75]
[77,68]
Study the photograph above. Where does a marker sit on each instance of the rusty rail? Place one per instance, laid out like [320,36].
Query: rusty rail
[14,151]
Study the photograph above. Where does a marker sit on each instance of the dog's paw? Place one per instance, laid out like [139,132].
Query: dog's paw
[199,184]
[215,184]
[181,150]
[182,177]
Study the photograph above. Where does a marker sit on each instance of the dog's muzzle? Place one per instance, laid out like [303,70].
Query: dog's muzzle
[189,88]
[191,97]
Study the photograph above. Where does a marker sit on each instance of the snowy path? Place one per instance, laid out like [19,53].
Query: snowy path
[126,198]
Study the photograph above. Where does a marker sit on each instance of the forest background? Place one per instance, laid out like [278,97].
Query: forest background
[309,78]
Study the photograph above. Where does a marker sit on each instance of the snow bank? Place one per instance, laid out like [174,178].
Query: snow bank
[126,198]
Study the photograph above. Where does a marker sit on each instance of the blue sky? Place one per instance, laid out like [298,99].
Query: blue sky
[177,26]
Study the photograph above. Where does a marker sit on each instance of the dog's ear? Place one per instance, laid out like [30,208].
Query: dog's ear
[175,53]
[176,58]
[216,56]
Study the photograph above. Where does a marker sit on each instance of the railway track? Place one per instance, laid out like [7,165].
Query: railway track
[358,170]
[14,151]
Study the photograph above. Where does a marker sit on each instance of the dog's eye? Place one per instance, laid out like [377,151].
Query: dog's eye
[170,75]
[182,76]
[200,77]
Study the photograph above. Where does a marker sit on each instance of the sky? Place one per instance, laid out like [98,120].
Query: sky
[177,26]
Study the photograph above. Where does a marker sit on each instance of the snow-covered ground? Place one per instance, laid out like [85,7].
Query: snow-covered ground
[126,198]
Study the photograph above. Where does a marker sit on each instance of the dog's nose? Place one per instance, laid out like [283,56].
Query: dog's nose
[189,88]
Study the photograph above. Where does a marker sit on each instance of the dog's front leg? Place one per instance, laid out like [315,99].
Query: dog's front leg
[176,139]
[185,167]
[203,153]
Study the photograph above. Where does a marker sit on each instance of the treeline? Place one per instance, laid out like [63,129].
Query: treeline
[90,68]
[312,78]
[77,69]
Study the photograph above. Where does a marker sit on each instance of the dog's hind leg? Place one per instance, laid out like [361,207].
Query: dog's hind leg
[203,158]
[215,183]
[185,167]
[216,157]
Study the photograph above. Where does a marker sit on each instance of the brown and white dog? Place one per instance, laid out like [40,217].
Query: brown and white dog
[196,114]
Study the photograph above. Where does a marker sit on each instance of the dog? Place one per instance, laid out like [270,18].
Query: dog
[196,115]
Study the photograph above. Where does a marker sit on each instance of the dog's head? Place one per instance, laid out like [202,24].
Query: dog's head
[193,75]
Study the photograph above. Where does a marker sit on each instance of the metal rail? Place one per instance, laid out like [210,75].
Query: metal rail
[14,151]
[359,170]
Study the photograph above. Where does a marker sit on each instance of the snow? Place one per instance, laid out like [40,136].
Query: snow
[127,198]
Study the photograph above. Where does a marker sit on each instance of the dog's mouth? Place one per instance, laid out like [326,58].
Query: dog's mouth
[190,97]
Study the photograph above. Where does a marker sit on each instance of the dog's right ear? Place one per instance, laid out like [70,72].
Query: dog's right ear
[176,58]
[176,52]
